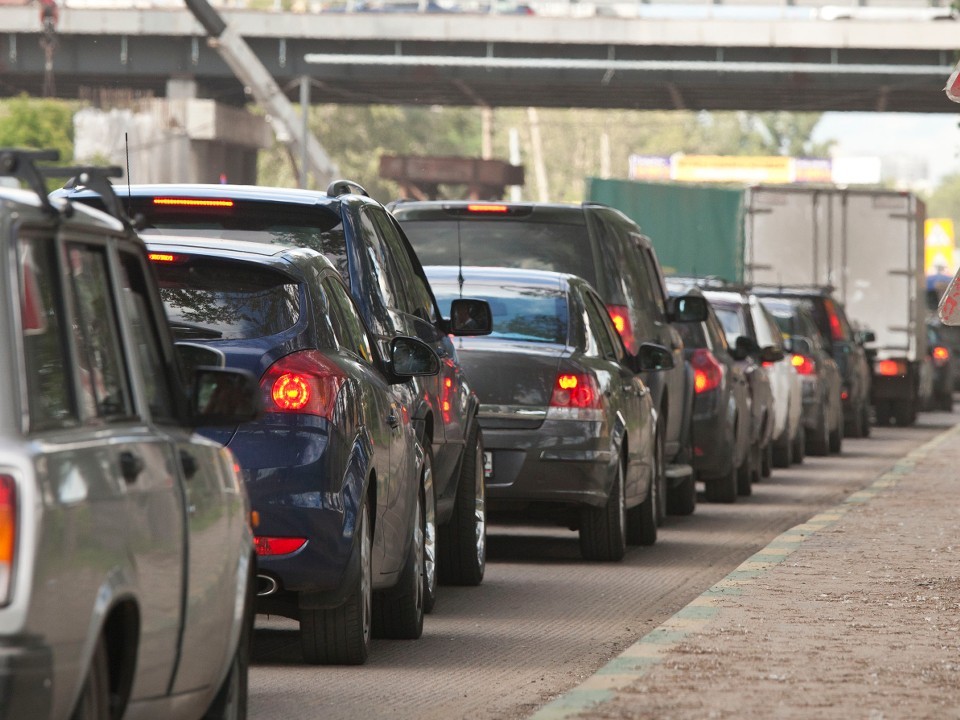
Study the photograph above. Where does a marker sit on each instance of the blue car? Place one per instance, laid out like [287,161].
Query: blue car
[336,477]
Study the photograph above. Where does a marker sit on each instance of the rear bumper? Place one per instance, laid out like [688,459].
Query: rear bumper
[561,462]
[26,679]
[714,447]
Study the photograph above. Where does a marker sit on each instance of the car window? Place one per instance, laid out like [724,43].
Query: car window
[216,299]
[605,326]
[732,320]
[598,343]
[533,314]
[103,382]
[347,324]
[715,334]
[376,265]
[535,244]
[417,299]
[627,277]
[154,369]
[49,400]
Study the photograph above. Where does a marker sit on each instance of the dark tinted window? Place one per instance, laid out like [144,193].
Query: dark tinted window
[535,314]
[732,320]
[503,243]
[345,318]
[210,298]
[49,401]
[597,325]
[416,295]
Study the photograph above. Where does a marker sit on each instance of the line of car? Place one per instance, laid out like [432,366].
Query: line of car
[364,388]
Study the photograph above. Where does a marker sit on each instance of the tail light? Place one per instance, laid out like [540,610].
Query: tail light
[620,315]
[267,546]
[804,365]
[576,396]
[305,382]
[940,355]
[707,371]
[8,535]
[836,329]
[891,368]
[487,208]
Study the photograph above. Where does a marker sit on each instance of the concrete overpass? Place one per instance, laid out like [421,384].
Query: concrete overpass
[711,63]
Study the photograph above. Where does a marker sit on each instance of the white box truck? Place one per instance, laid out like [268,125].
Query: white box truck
[867,245]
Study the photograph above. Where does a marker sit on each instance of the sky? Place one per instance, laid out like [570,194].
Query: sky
[898,139]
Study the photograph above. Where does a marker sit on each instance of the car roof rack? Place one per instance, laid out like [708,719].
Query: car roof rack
[795,286]
[345,187]
[22,165]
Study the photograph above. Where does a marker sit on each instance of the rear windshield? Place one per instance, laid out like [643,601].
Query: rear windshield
[730,318]
[519,313]
[782,312]
[211,299]
[503,243]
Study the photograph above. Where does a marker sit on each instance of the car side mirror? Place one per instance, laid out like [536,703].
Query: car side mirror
[469,316]
[866,336]
[771,354]
[744,347]
[688,309]
[224,396]
[651,357]
[411,357]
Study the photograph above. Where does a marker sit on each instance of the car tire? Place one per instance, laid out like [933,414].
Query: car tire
[96,701]
[398,611]
[722,489]
[818,443]
[867,421]
[904,413]
[341,635]
[746,472]
[800,445]
[661,477]
[430,577]
[855,427]
[603,530]
[462,547]
[782,450]
[230,702]
[766,460]
[945,402]
[836,438]
[682,499]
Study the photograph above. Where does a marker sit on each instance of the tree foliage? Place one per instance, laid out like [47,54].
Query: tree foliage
[37,124]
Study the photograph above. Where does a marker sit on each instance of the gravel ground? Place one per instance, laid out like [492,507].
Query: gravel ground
[855,614]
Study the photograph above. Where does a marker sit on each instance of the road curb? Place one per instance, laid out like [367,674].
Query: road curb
[647,652]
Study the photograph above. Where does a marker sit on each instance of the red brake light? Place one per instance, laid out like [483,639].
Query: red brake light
[940,355]
[707,371]
[804,365]
[192,202]
[836,329]
[487,208]
[891,368]
[8,534]
[159,257]
[620,315]
[576,396]
[304,382]
[277,545]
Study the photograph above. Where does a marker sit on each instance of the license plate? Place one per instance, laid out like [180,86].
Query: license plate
[487,465]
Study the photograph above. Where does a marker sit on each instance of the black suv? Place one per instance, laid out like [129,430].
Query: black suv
[606,248]
[844,346]
[369,250]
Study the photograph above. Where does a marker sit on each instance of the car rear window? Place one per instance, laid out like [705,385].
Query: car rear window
[534,314]
[503,243]
[213,299]
[732,322]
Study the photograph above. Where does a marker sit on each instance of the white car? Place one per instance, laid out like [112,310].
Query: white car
[126,552]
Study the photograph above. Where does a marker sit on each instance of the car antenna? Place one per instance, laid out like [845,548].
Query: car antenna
[460,279]
[126,154]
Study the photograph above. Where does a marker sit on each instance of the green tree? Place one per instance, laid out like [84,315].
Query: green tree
[944,201]
[38,124]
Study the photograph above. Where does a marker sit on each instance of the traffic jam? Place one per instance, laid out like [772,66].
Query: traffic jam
[324,419]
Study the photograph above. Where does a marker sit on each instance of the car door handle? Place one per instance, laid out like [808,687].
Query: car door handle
[131,466]
[189,464]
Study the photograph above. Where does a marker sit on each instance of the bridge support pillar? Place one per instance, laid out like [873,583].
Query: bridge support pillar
[176,139]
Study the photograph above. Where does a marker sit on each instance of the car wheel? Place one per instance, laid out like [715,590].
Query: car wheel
[945,402]
[904,412]
[341,635]
[800,444]
[398,611]
[462,550]
[722,489]
[819,442]
[766,460]
[642,519]
[430,580]
[230,702]
[855,427]
[682,499]
[95,698]
[782,450]
[746,471]
[661,470]
[866,421]
[836,438]
[603,530]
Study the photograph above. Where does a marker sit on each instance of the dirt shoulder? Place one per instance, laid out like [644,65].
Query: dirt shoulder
[855,614]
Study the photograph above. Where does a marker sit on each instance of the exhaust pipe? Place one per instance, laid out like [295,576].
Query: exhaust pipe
[266,585]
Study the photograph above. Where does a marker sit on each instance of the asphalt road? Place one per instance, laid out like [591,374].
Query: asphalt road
[544,619]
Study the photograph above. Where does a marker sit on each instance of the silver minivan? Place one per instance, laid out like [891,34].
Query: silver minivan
[126,556]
